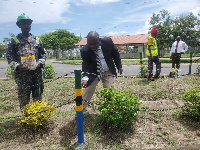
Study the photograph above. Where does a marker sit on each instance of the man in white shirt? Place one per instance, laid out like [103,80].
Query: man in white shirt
[198,43]
[178,47]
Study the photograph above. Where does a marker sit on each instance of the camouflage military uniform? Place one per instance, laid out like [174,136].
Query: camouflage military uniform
[30,80]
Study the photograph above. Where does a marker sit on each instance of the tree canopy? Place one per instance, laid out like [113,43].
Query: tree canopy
[62,39]
[187,27]
[3,48]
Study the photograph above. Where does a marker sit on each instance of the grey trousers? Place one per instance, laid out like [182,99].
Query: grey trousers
[107,80]
[155,60]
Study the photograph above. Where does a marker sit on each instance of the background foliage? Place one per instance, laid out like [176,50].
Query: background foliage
[59,39]
[185,26]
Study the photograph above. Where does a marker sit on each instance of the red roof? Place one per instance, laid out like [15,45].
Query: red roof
[123,39]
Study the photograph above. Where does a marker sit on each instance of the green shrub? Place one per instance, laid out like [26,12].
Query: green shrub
[192,104]
[198,69]
[48,72]
[10,73]
[118,107]
[143,71]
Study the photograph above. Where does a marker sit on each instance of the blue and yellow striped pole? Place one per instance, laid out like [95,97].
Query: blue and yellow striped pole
[141,64]
[79,106]
[190,66]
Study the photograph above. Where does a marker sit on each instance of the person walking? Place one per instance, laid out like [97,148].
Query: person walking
[152,53]
[26,56]
[178,47]
[100,57]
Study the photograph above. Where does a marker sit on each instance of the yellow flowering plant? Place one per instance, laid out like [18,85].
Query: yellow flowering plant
[175,70]
[37,113]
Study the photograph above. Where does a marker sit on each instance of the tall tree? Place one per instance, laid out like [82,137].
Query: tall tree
[6,40]
[59,39]
[3,48]
[185,26]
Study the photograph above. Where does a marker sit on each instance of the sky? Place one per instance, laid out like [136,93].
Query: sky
[107,17]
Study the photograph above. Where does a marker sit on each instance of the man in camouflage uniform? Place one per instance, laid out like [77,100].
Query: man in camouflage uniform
[23,50]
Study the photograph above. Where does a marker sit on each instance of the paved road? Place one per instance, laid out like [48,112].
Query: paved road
[63,69]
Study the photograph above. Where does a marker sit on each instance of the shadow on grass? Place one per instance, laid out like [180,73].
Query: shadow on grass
[106,134]
[191,123]
[68,132]
[9,130]
[95,127]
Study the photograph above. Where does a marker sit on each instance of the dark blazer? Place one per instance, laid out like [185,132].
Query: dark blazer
[111,55]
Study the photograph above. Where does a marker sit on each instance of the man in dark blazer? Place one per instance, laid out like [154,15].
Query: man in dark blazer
[100,57]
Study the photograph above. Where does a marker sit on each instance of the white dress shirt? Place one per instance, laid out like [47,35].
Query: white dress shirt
[182,47]
[104,66]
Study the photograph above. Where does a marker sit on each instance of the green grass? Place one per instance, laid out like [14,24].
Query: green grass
[151,129]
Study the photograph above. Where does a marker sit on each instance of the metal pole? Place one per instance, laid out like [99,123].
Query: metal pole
[190,66]
[141,66]
[79,106]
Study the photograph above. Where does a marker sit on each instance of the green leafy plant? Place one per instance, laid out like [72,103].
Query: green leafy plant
[37,113]
[143,71]
[198,69]
[192,104]
[10,73]
[118,107]
[48,72]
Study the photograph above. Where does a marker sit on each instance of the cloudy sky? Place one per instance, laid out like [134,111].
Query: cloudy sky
[107,17]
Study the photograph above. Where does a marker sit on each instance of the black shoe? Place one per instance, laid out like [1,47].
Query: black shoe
[156,77]
[151,78]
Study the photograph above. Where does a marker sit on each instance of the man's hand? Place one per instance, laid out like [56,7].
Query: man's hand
[22,68]
[38,65]
[151,57]
[84,83]
[120,70]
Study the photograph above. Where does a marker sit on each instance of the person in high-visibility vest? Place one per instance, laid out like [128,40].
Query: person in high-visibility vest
[26,56]
[152,53]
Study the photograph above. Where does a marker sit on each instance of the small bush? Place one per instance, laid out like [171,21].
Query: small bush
[37,113]
[143,71]
[174,71]
[198,69]
[118,108]
[192,104]
[10,73]
[48,72]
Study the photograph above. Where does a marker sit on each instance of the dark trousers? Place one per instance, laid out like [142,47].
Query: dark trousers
[155,60]
[27,82]
[176,60]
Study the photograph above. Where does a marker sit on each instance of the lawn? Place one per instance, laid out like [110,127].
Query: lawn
[157,129]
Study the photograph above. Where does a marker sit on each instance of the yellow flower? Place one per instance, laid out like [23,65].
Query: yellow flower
[37,113]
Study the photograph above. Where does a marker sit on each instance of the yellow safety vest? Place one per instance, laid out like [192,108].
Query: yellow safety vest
[154,49]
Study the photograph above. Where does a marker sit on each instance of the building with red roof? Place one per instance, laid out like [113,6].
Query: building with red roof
[137,42]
